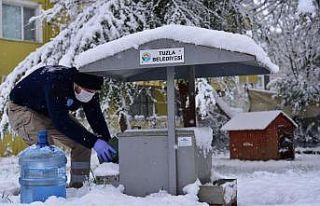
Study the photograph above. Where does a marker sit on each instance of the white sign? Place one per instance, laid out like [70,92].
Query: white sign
[184,141]
[162,56]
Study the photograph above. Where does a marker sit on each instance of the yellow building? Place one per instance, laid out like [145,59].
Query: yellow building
[18,38]
[254,81]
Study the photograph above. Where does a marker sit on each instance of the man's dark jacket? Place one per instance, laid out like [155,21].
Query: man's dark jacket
[49,91]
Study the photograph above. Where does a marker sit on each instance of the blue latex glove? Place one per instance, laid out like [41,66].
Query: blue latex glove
[104,151]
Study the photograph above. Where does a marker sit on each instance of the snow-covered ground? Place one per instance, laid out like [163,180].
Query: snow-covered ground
[294,183]
[90,194]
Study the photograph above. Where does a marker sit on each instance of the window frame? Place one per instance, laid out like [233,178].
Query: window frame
[23,4]
[3,78]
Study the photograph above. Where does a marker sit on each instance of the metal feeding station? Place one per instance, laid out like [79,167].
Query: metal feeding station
[154,159]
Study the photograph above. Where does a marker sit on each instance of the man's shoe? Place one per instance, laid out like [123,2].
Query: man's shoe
[76,185]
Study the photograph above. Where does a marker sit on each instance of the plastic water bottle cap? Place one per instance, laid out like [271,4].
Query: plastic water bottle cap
[42,137]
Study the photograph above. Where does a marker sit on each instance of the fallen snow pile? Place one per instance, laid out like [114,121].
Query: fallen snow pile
[108,195]
[192,190]
[107,169]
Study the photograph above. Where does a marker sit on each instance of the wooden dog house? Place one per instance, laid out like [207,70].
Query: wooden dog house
[261,136]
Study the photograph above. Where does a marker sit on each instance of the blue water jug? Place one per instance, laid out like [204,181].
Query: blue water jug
[42,171]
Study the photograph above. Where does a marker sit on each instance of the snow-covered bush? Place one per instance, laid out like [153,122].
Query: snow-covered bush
[210,114]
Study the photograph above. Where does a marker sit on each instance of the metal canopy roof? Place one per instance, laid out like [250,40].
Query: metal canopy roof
[207,62]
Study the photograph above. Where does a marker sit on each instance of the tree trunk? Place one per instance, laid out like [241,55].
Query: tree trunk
[187,99]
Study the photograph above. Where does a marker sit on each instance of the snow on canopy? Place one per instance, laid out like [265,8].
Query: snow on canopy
[306,6]
[185,34]
[253,120]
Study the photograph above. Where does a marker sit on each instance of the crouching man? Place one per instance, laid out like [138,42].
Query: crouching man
[43,100]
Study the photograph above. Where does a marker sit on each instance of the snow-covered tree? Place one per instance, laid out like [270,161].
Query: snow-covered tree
[85,24]
[290,37]
[209,114]
[289,30]
[211,14]
[90,23]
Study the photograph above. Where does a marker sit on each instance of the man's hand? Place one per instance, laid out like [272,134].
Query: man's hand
[104,151]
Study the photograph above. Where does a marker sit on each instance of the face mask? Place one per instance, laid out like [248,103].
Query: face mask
[84,96]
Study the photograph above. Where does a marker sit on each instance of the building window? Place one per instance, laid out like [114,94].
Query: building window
[143,105]
[15,15]
[260,84]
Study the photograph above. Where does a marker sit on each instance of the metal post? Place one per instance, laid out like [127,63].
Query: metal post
[192,96]
[171,105]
